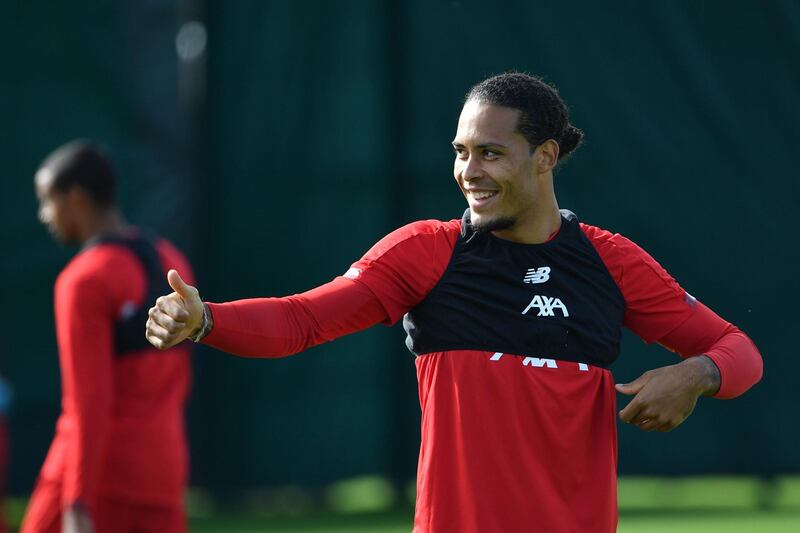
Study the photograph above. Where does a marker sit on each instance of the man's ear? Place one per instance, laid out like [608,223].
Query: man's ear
[546,156]
[78,199]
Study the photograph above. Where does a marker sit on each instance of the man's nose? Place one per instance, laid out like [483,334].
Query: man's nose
[44,215]
[472,169]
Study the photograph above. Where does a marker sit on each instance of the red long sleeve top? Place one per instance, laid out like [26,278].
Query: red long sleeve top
[509,444]
[121,429]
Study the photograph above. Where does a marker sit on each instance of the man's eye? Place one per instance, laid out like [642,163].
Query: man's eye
[460,152]
[490,154]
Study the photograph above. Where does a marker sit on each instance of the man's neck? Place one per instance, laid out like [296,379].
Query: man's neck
[534,232]
[540,221]
[102,222]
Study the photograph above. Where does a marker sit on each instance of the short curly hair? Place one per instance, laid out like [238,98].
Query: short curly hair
[81,163]
[543,114]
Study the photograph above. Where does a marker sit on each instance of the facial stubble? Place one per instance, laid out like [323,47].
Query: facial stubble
[494,224]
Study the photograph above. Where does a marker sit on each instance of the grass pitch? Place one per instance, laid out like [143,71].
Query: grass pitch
[647,505]
[396,522]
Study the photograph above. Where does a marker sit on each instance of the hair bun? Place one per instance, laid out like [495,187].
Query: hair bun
[569,141]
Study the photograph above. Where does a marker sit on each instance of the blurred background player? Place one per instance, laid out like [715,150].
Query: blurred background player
[119,459]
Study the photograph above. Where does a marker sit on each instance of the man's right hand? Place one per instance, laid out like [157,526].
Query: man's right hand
[175,316]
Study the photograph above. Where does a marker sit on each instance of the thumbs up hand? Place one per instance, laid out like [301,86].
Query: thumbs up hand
[175,316]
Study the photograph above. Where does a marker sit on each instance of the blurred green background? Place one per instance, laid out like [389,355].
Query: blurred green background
[275,141]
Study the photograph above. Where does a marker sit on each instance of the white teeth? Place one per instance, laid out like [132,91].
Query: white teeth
[482,195]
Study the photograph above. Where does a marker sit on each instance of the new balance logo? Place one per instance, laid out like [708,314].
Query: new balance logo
[546,306]
[537,275]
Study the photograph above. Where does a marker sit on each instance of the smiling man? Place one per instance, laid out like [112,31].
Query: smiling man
[514,313]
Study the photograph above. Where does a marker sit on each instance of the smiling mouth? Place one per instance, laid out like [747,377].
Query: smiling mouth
[480,199]
[482,195]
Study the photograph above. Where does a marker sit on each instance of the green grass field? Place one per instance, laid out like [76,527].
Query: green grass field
[673,522]
[647,505]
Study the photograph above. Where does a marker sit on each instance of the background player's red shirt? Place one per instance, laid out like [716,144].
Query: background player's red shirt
[121,432]
[509,444]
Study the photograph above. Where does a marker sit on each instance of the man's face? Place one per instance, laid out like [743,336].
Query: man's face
[493,166]
[55,210]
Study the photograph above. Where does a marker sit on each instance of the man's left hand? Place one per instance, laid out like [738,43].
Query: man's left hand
[666,396]
[76,520]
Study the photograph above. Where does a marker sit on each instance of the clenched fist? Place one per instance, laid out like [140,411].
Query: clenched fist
[175,316]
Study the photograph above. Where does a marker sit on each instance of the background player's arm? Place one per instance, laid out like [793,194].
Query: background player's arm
[84,327]
[76,519]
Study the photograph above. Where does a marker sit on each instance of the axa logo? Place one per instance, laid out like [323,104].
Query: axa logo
[546,306]
[537,275]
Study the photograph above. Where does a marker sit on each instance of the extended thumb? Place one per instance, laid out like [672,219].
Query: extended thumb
[178,285]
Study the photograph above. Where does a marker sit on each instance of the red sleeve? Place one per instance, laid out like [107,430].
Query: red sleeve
[391,278]
[403,267]
[84,321]
[654,302]
[658,309]
[275,327]
[739,362]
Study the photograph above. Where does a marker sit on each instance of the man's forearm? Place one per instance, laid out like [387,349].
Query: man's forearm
[739,363]
[276,327]
[733,353]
